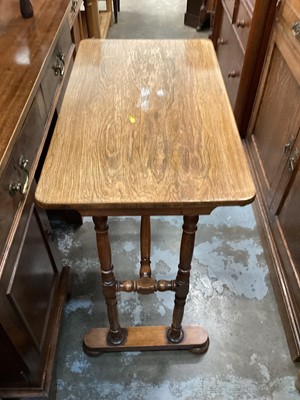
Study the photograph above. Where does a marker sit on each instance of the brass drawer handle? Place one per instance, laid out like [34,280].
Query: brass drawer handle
[241,23]
[61,57]
[296,29]
[59,67]
[221,41]
[293,160]
[233,74]
[19,187]
[288,146]
[74,5]
[14,188]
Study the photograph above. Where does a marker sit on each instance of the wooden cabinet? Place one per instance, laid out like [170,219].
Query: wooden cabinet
[230,66]
[273,143]
[38,57]
[240,34]
[199,12]
[32,293]
[281,131]
[191,17]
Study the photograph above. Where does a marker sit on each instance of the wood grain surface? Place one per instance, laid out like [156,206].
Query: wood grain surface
[145,125]
[25,45]
[141,338]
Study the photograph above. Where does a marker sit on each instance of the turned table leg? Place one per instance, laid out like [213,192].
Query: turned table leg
[145,243]
[175,333]
[140,338]
[116,335]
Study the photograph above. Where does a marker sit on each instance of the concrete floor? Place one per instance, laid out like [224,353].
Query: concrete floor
[150,19]
[231,295]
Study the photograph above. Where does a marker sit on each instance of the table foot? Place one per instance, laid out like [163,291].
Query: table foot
[120,338]
[179,335]
[200,350]
[143,338]
[91,352]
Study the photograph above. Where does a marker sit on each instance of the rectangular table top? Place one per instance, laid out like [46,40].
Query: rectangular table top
[145,127]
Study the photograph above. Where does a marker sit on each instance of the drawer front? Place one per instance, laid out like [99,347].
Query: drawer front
[231,57]
[242,24]
[14,183]
[14,364]
[290,20]
[55,69]
[230,6]
[74,7]
[287,35]
[64,87]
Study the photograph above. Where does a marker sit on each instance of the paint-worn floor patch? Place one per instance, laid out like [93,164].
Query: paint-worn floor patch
[230,296]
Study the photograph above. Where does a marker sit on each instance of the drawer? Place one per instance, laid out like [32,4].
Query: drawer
[290,20]
[64,87]
[242,24]
[287,35]
[73,9]
[15,178]
[230,6]
[230,57]
[55,68]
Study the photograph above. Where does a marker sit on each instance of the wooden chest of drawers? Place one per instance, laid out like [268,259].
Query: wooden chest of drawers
[38,59]
[14,182]
[56,66]
[240,35]
[273,143]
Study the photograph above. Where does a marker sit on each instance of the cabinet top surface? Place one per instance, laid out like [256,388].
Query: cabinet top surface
[145,124]
[24,47]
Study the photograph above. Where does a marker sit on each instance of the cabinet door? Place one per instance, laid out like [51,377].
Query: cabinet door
[276,125]
[29,298]
[274,146]
[285,226]
[14,371]
[285,219]
[31,285]
[288,218]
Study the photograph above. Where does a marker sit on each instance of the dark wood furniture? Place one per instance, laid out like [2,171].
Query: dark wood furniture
[98,23]
[36,59]
[26,8]
[198,12]
[191,16]
[147,145]
[241,33]
[273,143]
[207,14]
[116,6]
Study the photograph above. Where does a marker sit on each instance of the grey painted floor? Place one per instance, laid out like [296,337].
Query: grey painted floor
[231,295]
[150,19]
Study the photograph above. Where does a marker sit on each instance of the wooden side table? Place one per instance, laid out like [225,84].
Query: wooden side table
[145,129]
